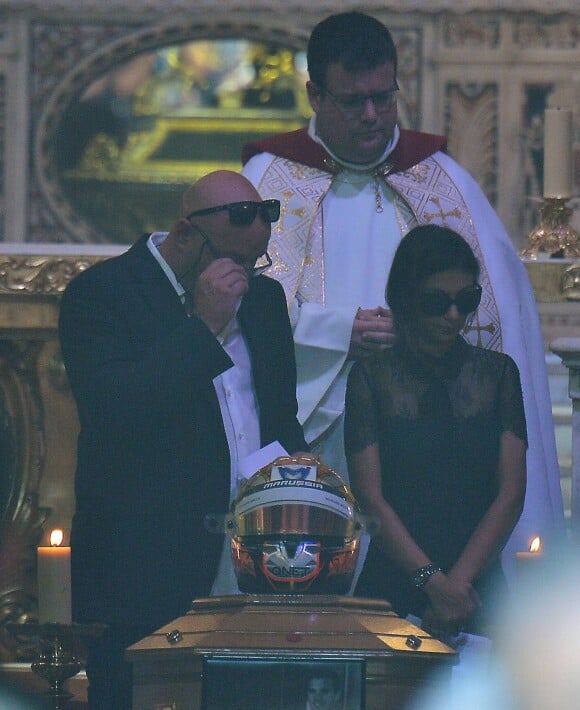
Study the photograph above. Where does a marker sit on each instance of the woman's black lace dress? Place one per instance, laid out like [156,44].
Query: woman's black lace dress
[438,424]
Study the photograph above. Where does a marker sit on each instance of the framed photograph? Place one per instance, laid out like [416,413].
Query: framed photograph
[282,684]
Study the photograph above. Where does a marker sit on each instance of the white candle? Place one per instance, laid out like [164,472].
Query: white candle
[558,153]
[53,574]
[527,563]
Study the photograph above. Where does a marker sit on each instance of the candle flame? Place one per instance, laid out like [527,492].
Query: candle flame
[536,544]
[56,538]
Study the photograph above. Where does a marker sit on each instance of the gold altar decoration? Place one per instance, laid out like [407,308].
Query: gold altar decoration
[571,282]
[552,257]
[554,280]
[39,274]
[38,428]
[553,237]
[55,661]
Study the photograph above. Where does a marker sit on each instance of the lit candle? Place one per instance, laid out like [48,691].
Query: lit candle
[54,595]
[527,562]
[558,153]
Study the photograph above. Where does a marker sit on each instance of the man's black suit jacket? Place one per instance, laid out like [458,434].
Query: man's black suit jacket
[153,458]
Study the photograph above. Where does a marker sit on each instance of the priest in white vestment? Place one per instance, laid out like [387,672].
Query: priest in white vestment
[351,186]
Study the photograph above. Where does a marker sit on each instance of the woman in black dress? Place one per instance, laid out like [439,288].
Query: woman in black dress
[435,438]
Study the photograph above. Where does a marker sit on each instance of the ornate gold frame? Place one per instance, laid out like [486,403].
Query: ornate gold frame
[32,378]
[78,227]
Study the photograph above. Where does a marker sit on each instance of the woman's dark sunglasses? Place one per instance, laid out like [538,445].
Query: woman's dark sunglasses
[437,303]
[241,214]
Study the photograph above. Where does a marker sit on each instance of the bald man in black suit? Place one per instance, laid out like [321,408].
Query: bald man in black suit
[147,338]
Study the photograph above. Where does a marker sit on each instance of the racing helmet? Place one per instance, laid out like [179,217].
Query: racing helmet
[295,528]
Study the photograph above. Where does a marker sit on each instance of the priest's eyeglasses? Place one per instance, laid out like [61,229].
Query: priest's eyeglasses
[242,214]
[353,104]
[437,303]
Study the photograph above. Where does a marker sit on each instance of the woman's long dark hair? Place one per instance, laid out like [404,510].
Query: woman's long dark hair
[424,251]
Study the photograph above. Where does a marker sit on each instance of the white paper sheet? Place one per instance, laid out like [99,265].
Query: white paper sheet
[255,461]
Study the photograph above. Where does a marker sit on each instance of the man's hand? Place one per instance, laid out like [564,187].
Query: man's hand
[372,330]
[217,292]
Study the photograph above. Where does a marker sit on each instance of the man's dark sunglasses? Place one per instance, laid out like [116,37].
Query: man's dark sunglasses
[241,214]
[437,303]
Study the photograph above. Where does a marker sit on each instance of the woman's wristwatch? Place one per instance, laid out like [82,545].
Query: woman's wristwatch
[421,576]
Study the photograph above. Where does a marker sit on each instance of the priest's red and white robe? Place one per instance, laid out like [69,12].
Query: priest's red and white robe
[332,250]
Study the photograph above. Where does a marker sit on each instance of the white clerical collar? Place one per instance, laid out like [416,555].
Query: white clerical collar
[354,166]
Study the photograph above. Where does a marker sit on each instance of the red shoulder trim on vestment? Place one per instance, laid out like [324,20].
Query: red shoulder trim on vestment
[412,148]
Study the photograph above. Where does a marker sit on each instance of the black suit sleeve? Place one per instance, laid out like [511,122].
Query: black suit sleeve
[130,365]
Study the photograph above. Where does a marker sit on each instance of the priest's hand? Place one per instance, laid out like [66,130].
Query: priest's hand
[217,291]
[372,331]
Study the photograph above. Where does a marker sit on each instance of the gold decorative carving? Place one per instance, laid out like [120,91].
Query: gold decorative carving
[554,280]
[22,461]
[553,237]
[571,282]
[57,373]
[34,275]
[33,391]
[555,33]
[472,131]
[472,32]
